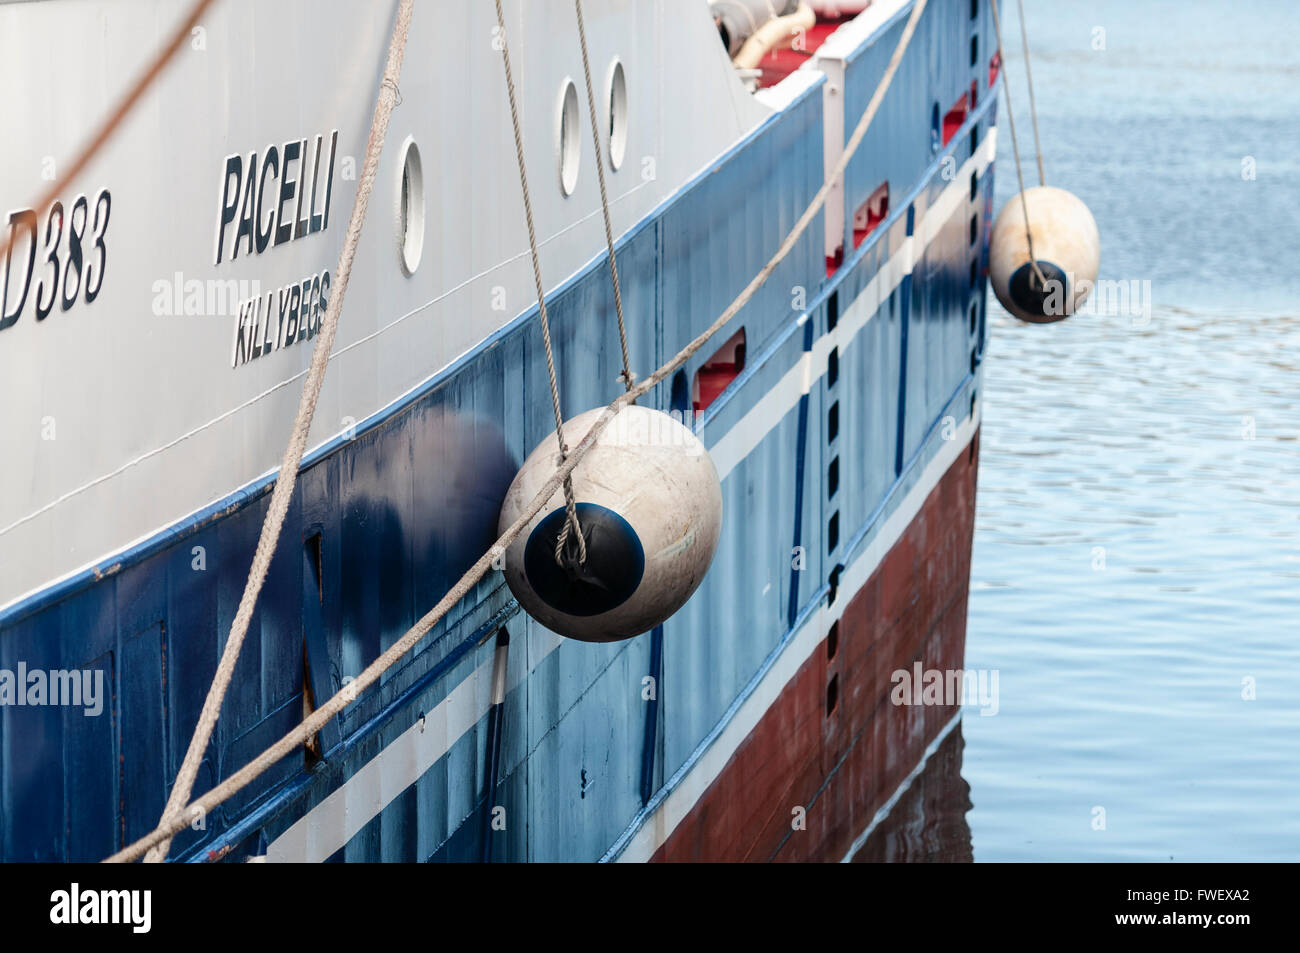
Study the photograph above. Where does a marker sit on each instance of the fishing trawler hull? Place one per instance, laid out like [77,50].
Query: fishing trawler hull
[755,724]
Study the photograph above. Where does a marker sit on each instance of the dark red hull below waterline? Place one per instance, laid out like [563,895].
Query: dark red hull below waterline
[833,743]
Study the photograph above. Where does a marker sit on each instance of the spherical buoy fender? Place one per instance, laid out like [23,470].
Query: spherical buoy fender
[1066,247]
[650,506]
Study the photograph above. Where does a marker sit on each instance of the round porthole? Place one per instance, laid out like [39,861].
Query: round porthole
[617,115]
[568,138]
[410,208]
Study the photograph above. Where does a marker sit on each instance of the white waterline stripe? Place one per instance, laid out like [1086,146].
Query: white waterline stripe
[346,810]
[349,808]
[748,432]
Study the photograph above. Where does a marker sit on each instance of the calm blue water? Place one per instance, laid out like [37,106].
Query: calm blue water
[1168,447]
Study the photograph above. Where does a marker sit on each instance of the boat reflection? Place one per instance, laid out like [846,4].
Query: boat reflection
[928,823]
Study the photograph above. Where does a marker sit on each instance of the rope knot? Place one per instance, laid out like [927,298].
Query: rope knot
[570,546]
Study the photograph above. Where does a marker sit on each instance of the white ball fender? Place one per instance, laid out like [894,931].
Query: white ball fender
[650,506]
[1066,246]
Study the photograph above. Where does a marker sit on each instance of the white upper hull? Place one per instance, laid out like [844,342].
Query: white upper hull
[125,414]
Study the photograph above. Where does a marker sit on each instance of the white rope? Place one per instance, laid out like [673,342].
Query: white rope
[1015,149]
[571,523]
[627,375]
[288,476]
[313,723]
[1033,109]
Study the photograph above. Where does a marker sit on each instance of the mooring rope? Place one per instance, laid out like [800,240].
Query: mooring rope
[288,475]
[312,724]
[627,375]
[571,523]
[1015,149]
[1033,108]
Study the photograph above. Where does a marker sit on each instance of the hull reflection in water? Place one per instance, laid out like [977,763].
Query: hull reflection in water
[928,823]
